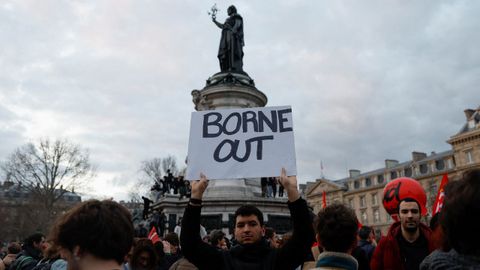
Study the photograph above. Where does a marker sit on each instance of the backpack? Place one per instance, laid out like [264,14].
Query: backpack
[23,261]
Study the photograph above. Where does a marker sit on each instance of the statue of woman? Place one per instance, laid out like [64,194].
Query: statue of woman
[230,51]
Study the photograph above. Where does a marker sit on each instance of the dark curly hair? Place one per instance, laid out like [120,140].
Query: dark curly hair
[248,210]
[101,228]
[337,228]
[144,245]
[461,209]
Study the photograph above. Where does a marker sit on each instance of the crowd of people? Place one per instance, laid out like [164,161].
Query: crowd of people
[270,186]
[99,235]
[170,184]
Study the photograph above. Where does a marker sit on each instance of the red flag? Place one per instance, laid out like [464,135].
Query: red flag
[153,236]
[324,200]
[437,206]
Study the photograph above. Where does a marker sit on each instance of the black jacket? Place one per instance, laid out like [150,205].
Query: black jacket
[258,256]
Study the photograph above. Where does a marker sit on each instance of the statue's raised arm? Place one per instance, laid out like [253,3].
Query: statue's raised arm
[230,51]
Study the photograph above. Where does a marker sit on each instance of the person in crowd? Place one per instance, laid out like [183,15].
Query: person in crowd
[263,185]
[162,222]
[13,249]
[144,256]
[28,258]
[51,259]
[94,235]
[272,187]
[271,237]
[127,262]
[146,207]
[460,223]
[169,181]
[280,190]
[407,243]
[175,253]
[188,193]
[337,235]
[141,231]
[252,250]
[178,229]
[181,187]
[366,241]
[359,254]
[217,239]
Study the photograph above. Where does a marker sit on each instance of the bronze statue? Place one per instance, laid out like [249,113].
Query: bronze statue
[230,51]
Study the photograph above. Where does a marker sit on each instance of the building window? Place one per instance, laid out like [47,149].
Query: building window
[393,175]
[374,199]
[356,184]
[362,201]
[408,172]
[423,168]
[380,179]
[350,202]
[469,157]
[389,218]
[376,216]
[368,181]
[440,164]
[364,217]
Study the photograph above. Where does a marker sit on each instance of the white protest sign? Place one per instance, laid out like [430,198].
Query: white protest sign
[241,143]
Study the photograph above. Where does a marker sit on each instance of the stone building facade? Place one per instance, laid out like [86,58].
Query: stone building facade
[21,214]
[364,191]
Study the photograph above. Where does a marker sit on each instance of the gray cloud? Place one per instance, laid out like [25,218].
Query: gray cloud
[367,81]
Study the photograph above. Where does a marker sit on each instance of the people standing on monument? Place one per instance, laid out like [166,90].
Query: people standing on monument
[169,181]
[280,190]
[272,181]
[182,189]
[230,51]
[263,184]
[252,250]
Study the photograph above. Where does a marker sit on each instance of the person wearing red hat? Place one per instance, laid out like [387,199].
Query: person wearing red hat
[408,240]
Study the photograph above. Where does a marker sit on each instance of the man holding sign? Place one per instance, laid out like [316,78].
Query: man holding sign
[252,251]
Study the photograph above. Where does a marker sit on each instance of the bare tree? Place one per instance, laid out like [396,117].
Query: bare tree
[153,169]
[170,163]
[47,170]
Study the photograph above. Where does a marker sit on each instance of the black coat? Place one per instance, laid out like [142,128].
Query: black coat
[258,256]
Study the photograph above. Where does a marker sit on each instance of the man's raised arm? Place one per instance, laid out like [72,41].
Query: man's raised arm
[201,254]
[298,247]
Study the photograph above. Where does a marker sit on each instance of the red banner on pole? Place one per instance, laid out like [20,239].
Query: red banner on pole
[153,236]
[437,206]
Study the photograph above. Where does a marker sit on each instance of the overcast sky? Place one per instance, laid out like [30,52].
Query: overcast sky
[367,80]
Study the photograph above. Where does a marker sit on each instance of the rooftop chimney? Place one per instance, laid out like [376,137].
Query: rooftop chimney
[416,156]
[354,173]
[390,163]
[469,113]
